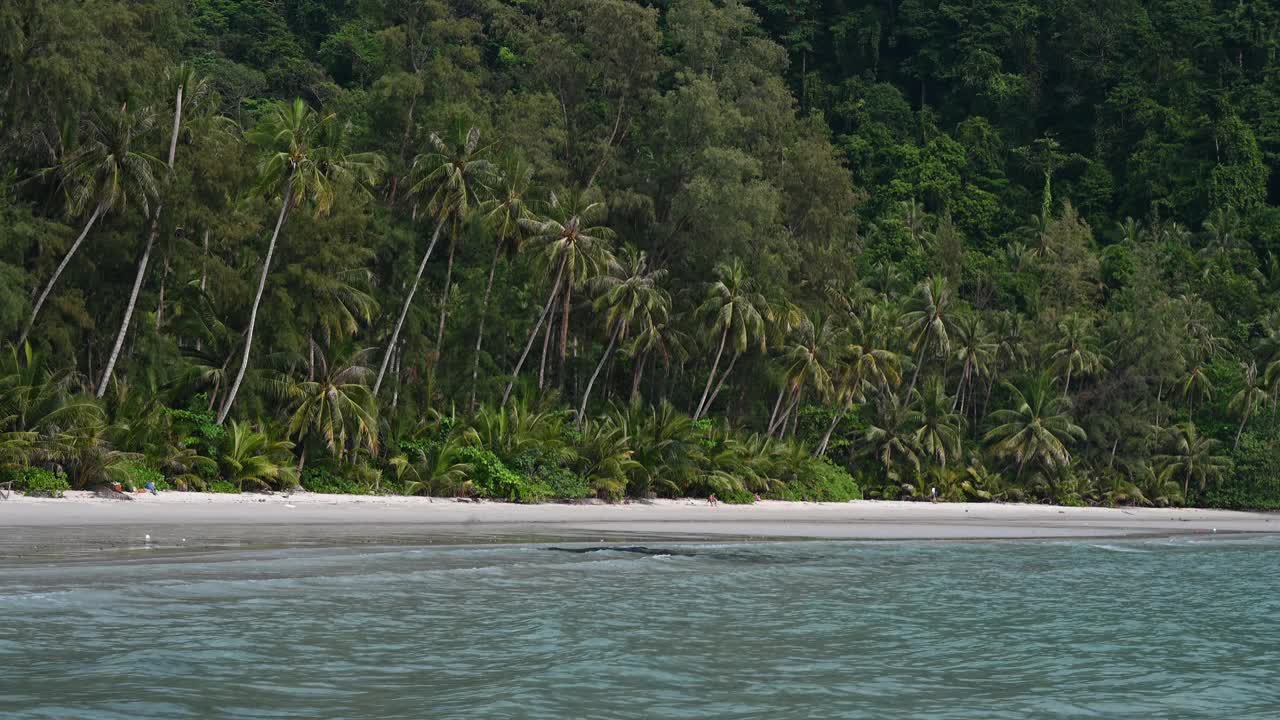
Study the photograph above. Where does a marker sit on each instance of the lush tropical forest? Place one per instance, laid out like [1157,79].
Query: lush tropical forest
[536,249]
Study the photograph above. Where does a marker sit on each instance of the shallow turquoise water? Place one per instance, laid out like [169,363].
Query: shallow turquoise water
[1156,628]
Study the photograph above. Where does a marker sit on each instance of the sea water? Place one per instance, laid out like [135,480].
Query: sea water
[1155,628]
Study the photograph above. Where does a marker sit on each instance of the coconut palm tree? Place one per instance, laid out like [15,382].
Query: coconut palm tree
[810,361]
[657,337]
[928,322]
[503,215]
[862,367]
[106,173]
[436,468]
[737,313]
[629,294]
[1247,399]
[305,159]
[975,349]
[250,456]
[189,89]
[449,176]
[574,248]
[1036,429]
[1196,385]
[891,437]
[336,405]
[938,426]
[1076,350]
[1191,457]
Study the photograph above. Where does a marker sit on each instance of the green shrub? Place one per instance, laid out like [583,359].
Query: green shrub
[225,487]
[563,483]
[38,482]
[493,479]
[136,475]
[736,496]
[321,480]
[818,481]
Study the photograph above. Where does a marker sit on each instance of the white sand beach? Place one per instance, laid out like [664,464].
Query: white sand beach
[862,520]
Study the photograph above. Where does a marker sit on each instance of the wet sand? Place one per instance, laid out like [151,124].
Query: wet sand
[81,521]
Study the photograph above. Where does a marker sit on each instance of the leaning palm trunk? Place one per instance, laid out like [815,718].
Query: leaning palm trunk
[826,437]
[533,334]
[444,296]
[146,259]
[1239,432]
[484,312]
[257,300]
[720,385]
[711,377]
[608,353]
[404,309]
[66,259]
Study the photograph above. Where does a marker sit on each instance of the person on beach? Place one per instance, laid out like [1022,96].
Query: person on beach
[711,500]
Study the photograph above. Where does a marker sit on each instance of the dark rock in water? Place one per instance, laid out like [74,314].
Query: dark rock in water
[635,549]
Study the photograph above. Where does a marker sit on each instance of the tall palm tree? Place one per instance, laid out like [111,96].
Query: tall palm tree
[810,361]
[657,337]
[1196,385]
[503,215]
[189,89]
[336,405]
[1076,350]
[1249,397]
[106,173]
[574,249]
[737,313]
[891,436]
[928,322]
[1036,429]
[1191,457]
[629,294]
[862,367]
[448,178]
[975,350]
[305,159]
[938,426]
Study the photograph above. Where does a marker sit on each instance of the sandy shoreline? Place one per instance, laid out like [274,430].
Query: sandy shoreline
[84,515]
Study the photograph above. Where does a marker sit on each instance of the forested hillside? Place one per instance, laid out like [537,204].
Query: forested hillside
[526,249]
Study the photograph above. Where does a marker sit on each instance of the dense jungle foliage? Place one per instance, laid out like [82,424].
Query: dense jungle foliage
[535,249]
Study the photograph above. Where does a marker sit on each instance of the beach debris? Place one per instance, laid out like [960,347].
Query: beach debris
[112,492]
[290,505]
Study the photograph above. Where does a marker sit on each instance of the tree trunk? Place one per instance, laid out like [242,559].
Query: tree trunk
[66,259]
[636,372]
[533,334]
[164,280]
[484,312]
[826,437]
[546,346]
[146,258]
[444,296]
[133,302]
[777,405]
[608,353]
[302,459]
[711,377]
[564,328]
[915,374]
[404,309]
[1239,432]
[257,300]
[720,385]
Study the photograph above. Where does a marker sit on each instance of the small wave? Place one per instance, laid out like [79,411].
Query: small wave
[1121,549]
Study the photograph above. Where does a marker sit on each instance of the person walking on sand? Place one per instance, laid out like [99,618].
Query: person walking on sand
[711,500]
